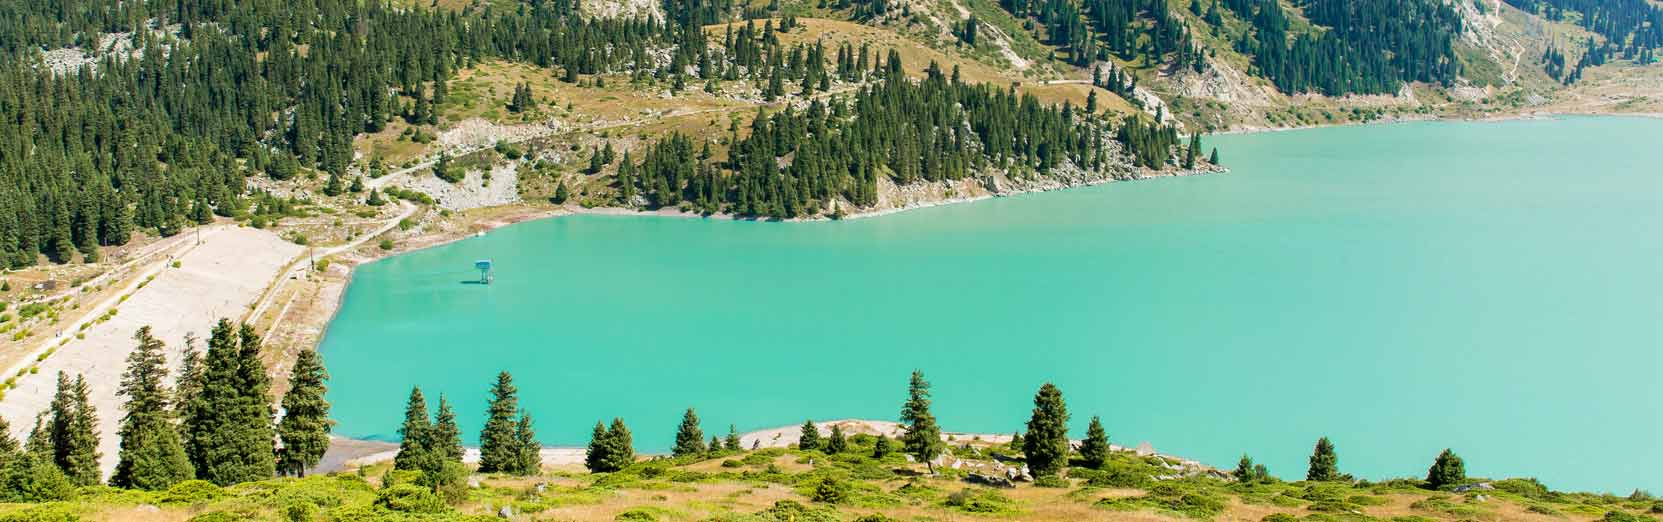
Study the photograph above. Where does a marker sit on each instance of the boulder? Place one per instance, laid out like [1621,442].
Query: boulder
[986,480]
[505,513]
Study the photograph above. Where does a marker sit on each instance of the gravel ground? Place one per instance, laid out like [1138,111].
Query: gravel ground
[217,279]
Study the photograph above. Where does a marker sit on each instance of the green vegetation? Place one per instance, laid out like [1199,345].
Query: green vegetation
[1046,443]
[152,453]
[1324,463]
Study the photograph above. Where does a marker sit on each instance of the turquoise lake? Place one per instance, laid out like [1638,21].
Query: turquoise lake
[1496,288]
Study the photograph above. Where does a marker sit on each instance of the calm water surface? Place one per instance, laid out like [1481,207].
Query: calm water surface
[1491,287]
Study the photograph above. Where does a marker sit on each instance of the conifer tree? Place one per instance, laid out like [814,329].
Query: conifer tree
[1046,444]
[1214,158]
[445,440]
[305,427]
[561,193]
[715,445]
[923,438]
[229,430]
[689,438]
[1447,470]
[412,446]
[498,446]
[1324,462]
[809,437]
[732,441]
[74,432]
[620,446]
[1095,449]
[528,454]
[836,443]
[39,443]
[1244,469]
[152,456]
[1016,441]
[29,475]
[594,457]
[880,448]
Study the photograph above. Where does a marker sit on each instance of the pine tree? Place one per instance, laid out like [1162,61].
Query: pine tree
[561,194]
[1214,158]
[1016,441]
[305,427]
[413,443]
[152,456]
[1191,151]
[498,447]
[620,446]
[1447,470]
[332,187]
[30,475]
[595,456]
[809,437]
[1095,449]
[923,438]
[880,448]
[1324,463]
[528,453]
[445,439]
[689,438]
[1244,470]
[732,442]
[229,430]
[1046,444]
[74,432]
[836,443]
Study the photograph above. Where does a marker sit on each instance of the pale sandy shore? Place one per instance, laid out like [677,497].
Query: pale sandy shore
[345,453]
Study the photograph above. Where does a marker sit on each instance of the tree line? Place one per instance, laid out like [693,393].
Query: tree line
[1632,27]
[215,424]
[1368,47]
[222,91]
[795,163]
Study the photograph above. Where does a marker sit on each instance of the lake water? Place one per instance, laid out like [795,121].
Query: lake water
[1490,287]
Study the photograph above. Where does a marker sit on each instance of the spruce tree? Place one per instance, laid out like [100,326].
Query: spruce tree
[1324,463]
[305,427]
[620,446]
[594,457]
[880,448]
[732,442]
[1046,444]
[1244,469]
[923,438]
[528,453]
[498,448]
[413,443]
[229,430]
[74,432]
[445,440]
[1214,158]
[188,384]
[561,193]
[1095,449]
[152,456]
[809,437]
[1447,470]
[689,438]
[836,443]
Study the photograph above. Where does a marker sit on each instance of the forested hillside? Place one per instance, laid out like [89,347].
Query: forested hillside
[219,92]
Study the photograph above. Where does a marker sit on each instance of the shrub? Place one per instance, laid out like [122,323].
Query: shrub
[875,517]
[830,491]
[792,511]
[32,480]
[43,513]
[979,500]
[219,516]
[1051,482]
[410,498]
[1623,516]
[300,512]
[636,515]
[1279,517]
[386,244]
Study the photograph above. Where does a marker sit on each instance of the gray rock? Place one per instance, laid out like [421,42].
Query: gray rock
[985,480]
[505,512]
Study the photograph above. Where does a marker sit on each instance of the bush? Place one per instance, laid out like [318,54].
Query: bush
[979,500]
[300,512]
[410,498]
[219,516]
[1279,517]
[31,480]
[386,244]
[830,491]
[636,515]
[1051,482]
[1623,516]
[792,511]
[43,513]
